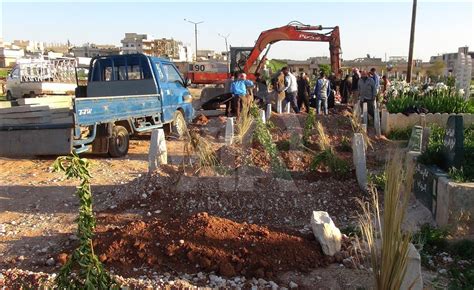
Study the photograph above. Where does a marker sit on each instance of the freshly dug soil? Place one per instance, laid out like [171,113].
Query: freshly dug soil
[206,243]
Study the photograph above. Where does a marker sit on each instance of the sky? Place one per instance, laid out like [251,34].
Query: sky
[377,28]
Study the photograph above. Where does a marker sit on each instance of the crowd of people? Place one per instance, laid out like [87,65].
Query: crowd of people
[362,86]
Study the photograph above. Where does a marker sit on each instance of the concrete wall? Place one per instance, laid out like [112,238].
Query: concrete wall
[455,206]
[390,122]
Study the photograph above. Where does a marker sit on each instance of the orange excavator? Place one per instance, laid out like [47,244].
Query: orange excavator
[246,59]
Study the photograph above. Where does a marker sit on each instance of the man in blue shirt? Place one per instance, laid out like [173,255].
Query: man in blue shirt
[238,88]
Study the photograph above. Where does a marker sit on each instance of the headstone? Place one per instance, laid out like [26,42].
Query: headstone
[229,131]
[157,153]
[358,149]
[262,116]
[364,113]
[416,139]
[279,109]
[425,185]
[454,141]
[326,232]
[378,131]
[287,108]
[269,112]
[412,279]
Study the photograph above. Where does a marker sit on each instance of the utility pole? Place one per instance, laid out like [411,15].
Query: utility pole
[195,34]
[226,49]
[412,42]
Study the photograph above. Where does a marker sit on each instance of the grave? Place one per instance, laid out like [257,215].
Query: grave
[364,113]
[279,109]
[454,142]
[359,159]
[425,185]
[268,112]
[229,131]
[262,116]
[378,131]
[158,153]
[416,139]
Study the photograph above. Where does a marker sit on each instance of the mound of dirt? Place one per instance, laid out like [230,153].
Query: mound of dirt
[206,243]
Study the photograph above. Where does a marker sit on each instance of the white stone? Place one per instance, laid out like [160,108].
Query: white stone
[360,163]
[50,262]
[229,131]
[287,108]
[293,285]
[262,116]
[157,153]
[326,232]
[279,107]
[413,279]
[378,131]
[365,118]
[268,113]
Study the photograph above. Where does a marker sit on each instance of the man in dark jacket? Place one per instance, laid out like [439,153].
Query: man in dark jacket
[346,89]
[367,91]
[355,82]
[303,91]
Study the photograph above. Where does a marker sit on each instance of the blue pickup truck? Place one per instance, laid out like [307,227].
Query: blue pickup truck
[125,95]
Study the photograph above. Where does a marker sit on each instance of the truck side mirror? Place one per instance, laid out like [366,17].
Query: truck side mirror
[187,82]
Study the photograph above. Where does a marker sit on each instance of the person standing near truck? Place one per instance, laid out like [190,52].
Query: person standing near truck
[290,89]
[238,88]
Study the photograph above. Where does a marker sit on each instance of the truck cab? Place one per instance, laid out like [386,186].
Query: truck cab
[128,94]
[124,95]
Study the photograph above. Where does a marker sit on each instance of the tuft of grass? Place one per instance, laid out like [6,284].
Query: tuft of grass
[389,257]
[195,144]
[378,180]
[327,156]
[345,145]
[244,123]
[308,126]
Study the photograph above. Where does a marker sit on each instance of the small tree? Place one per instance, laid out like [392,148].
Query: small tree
[326,68]
[89,271]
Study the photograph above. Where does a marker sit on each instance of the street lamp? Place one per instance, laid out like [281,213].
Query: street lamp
[226,49]
[195,33]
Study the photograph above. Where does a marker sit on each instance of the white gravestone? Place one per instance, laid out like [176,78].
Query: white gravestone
[262,116]
[364,113]
[269,112]
[287,108]
[158,153]
[229,131]
[279,109]
[378,131]
[358,149]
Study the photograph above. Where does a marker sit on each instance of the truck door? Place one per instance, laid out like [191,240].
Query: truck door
[172,87]
[13,83]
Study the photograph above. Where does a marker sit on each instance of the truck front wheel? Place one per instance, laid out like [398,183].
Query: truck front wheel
[178,126]
[119,142]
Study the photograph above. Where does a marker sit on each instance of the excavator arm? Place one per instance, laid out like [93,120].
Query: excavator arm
[298,32]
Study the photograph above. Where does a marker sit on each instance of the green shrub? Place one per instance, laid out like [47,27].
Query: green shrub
[434,102]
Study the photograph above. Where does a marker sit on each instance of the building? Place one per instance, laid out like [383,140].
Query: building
[57,47]
[29,46]
[146,44]
[91,50]
[10,55]
[136,43]
[398,59]
[450,60]
[309,66]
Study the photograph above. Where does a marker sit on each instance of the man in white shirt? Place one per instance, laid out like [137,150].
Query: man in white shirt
[291,89]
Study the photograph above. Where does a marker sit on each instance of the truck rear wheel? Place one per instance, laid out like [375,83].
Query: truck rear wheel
[119,142]
[178,126]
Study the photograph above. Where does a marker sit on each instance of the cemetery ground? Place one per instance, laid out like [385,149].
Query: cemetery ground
[234,224]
